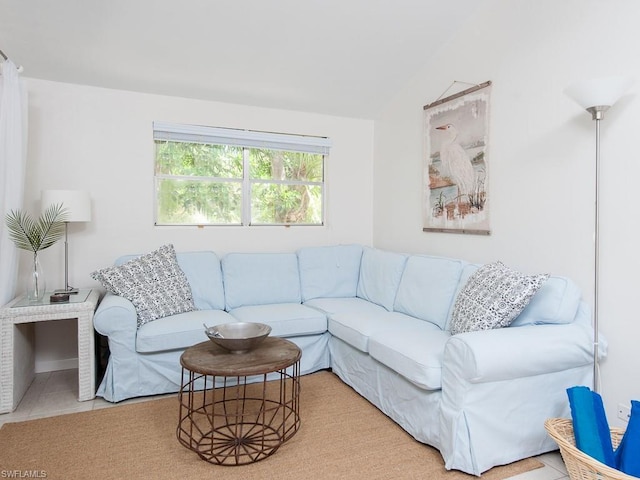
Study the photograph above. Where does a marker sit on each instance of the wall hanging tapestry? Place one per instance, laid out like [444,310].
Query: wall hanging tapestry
[456,162]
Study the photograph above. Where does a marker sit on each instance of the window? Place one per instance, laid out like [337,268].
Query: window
[221,176]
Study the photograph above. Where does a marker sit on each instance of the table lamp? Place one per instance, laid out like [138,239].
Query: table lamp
[78,206]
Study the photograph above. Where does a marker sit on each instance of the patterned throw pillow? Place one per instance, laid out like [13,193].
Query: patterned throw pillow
[492,298]
[154,283]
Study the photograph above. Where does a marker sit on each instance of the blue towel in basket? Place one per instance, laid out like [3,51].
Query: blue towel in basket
[590,425]
[628,452]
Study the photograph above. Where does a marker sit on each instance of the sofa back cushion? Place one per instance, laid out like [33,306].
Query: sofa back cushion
[380,274]
[467,270]
[428,287]
[203,274]
[260,279]
[329,272]
[556,301]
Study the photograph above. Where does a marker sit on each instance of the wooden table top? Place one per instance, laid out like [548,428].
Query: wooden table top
[271,355]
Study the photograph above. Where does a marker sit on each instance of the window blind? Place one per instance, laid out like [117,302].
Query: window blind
[245,138]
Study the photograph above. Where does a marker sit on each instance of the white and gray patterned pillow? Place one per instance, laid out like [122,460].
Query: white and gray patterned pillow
[492,298]
[154,283]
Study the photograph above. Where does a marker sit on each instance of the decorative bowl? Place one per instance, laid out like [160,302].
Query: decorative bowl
[239,337]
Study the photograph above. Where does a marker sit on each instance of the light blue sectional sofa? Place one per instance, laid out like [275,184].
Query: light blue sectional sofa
[380,320]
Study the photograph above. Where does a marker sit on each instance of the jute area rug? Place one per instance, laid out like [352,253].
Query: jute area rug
[342,436]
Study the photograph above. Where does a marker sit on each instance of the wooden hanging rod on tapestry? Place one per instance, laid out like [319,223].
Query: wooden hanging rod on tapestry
[3,55]
[459,94]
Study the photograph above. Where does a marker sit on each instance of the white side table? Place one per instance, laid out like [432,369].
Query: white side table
[17,349]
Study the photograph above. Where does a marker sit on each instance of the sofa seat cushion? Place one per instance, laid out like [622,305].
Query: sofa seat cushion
[415,353]
[178,331]
[285,319]
[333,306]
[357,327]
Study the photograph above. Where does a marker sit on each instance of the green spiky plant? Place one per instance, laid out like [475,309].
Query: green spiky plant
[36,235]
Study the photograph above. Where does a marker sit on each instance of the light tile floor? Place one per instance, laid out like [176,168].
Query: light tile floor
[55,393]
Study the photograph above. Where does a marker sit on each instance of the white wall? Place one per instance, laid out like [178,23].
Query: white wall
[101,140]
[541,165]
[542,158]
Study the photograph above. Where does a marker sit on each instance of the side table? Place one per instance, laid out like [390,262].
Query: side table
[17,350]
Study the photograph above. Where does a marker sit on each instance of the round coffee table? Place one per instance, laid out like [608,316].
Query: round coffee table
[239,408]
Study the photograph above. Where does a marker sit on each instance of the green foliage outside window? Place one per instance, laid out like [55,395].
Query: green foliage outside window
[203,184]
[198,159]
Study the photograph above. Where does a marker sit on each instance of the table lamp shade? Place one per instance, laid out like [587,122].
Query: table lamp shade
[76,202]
[598,91]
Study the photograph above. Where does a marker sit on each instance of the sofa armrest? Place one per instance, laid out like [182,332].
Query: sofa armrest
[509,353]
[115,314]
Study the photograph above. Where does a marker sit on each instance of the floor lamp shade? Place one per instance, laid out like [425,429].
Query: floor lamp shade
[76,202]
[597,92]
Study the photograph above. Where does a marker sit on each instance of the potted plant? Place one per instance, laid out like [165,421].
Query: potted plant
[36,235]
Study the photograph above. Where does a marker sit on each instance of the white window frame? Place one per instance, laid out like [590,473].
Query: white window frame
[249,139]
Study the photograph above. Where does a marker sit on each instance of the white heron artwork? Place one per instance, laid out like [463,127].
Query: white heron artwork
[456,163]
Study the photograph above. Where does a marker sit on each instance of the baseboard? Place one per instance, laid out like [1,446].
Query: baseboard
[55,365]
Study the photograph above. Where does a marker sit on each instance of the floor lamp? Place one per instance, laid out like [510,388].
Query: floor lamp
[78,206]
[597,96]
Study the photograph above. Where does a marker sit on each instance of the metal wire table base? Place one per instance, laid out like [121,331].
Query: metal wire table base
[239,420]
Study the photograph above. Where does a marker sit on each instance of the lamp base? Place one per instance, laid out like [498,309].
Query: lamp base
[69,290]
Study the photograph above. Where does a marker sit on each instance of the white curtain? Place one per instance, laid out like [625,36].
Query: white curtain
[13,158]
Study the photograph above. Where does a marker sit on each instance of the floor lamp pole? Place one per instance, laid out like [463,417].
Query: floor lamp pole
[596,95]
[598,114]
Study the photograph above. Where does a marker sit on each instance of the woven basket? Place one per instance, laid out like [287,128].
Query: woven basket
[581,466]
